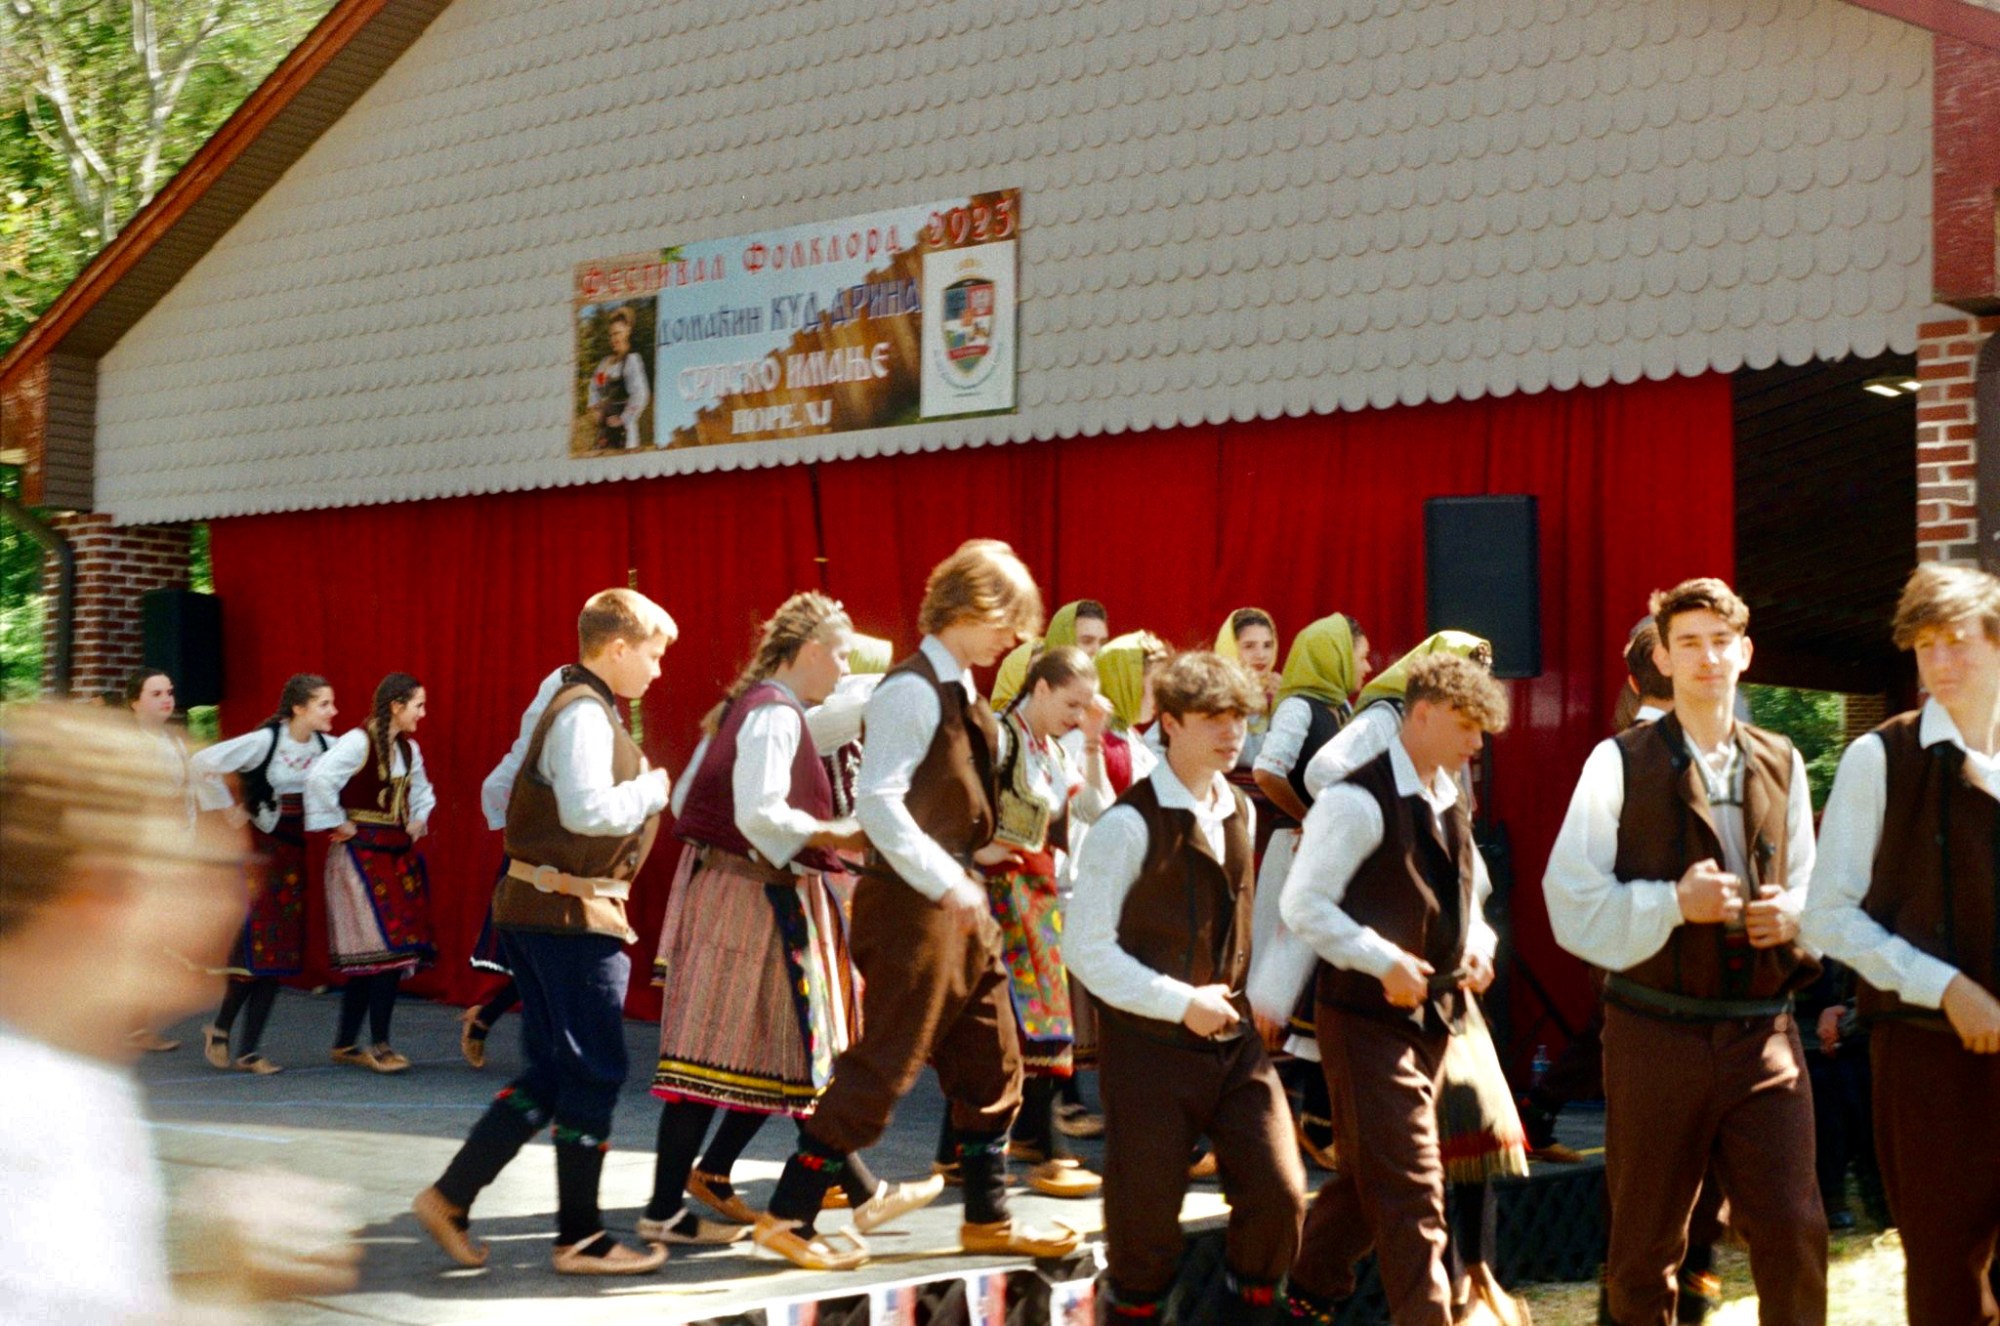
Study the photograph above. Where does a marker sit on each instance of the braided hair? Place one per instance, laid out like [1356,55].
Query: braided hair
[803,617]
[394,689]
[299,690]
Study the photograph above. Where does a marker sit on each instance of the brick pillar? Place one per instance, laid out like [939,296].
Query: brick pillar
[1948,498]
[115,564]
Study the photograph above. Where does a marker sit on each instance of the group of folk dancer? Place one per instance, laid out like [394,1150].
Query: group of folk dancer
[1283,861]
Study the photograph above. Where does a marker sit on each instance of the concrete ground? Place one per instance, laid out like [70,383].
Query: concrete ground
[386,1138]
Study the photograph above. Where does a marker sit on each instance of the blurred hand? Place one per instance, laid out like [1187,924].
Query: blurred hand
[418,828]
[966,901]
[236,817]
[1479,973]
[1095,715]
[1709,895]
[344,832]
[1768,921]
[263,1235]
[1408,983]
[1974,1014]
[1271,1031]
[1829,1028]
[1210,1013]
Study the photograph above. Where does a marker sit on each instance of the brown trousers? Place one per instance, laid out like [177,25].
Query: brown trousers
[1389,1191]
[1681,1096]
[930,994]
[1159,1099]
[1937,1138]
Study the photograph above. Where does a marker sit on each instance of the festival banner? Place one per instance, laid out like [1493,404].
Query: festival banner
[876,321]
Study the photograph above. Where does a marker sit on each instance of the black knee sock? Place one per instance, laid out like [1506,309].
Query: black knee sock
[263,994]
[802,1187]
[579,1166]
[857,1180]
[683,1124]
[947,1147]
[736,1131]
[1472,1230]
[233,996]
[497,1138]
[382,992]
[353,1007]
[1035,1125]
[1700,1259]
[500,1003]
[982,1161]
[1072,1092]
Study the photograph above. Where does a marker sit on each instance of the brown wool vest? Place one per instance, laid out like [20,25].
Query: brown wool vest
[952,792]
[1188,915]
[1936,880]
[1667,826]
[372,796]
[1417,891]
[535,836]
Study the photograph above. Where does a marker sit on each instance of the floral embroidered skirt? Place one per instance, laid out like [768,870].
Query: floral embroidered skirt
[757,990]
[1029,909]
[378,903]
[273,939]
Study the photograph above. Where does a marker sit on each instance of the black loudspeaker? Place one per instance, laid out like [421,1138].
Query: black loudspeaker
[183,633]
[1482,573]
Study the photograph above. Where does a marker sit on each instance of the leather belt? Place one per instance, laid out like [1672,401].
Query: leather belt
[550,880]
[735,863]
[1687,1008]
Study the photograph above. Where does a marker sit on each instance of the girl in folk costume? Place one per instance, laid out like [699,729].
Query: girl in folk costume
[371,791]
[1084,624]
[1479,1126]
[149,697]
[758,991]
[1042,791]
[1327,663]
[1249,638]
[271,763]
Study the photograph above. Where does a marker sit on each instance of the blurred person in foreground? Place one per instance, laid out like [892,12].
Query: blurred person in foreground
[102,884]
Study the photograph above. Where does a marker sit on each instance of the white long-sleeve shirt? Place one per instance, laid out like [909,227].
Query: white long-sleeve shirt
[1286,737]
[1364,737]
[760,783]
[903,719]
[1341,831]
[576,762]
[1850,833]
[332,770]
[498,789]
[289,765]
[1616,925]
[1107,867]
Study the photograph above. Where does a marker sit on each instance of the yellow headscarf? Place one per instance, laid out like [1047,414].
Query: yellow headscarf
[1390,683]
[1013,673]
[1225,639]
[1062,626]
[1321,662]
[871,653]
[1121,674]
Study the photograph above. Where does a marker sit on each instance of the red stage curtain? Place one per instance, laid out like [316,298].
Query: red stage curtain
[1170,529]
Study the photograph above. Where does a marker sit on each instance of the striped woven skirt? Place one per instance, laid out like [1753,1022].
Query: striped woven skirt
[378,903]
[1029,910]
[273,939]
[1479,1129]
[757,991]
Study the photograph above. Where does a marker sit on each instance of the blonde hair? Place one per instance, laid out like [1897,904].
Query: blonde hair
[805,616]
[1461,684]
[1939,595]
[77,781]
[1200,682]
[621,614]
[983,582]
[1701,594]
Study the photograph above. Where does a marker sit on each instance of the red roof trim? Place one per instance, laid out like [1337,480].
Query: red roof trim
[1950,18]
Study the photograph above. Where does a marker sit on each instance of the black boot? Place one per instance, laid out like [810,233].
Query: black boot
[495,1140]
[982,1162]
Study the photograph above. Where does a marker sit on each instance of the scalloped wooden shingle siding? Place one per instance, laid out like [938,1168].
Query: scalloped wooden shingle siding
[1231,209]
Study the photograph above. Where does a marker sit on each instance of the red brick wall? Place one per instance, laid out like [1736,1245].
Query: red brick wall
[1947,462]
[114,566]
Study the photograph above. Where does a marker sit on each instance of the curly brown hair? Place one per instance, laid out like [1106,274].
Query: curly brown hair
[1201,682]
[1458,683]
[1701,594]
[985,582]
[1940,595]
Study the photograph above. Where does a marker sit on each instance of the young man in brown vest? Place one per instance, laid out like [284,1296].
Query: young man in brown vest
[923,936]
[1680,871]
[1386,888]
[580,821]
[1905,893]
[1159,931]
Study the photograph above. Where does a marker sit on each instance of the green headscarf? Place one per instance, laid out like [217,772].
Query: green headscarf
[1121,674]
[1321,662]
[1390,683]
[870,654]
[1013,674]
[1225,639]
[1062,626]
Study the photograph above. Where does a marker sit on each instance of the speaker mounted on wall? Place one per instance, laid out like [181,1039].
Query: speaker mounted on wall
[183,638]
[1482,573]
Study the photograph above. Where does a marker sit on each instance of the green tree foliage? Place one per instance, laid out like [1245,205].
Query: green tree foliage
[104,100]
[20,604]
[1816,721]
